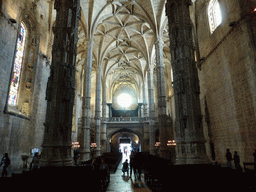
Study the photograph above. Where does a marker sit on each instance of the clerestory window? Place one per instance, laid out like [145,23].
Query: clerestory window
[214,15]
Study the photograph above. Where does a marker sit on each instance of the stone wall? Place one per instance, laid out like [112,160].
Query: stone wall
[227,81]
[20,133]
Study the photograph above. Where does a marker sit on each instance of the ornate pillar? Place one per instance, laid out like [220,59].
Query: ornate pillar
[97,111]
[60,91]
[151,112]
[161,94]
[190,148]
[145,102]
[85,146]
[104,121]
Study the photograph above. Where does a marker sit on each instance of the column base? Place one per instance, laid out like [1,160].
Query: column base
[152,152]
[56,162]
[56,156]
[104,146]
[191,153]
[98,152]
[165,153]
[85,155]
[181,161]
[198,160]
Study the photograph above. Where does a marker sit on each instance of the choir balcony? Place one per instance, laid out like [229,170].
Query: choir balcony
[112,121]
[125,119]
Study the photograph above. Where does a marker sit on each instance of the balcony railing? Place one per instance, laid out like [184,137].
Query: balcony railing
[119,119]
[124,119]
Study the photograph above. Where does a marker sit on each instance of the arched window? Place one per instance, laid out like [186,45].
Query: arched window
[214,15]
[17,68]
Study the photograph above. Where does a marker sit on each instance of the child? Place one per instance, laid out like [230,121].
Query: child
[125,167]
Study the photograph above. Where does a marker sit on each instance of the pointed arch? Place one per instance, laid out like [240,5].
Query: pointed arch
[21,88]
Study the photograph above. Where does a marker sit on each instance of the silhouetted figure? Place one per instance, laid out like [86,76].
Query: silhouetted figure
[229,158]
[95,175]
[132,163]
[104,174]
[94,165]
[125,167]
[254,155]
[5,162]
[76,155]
[237,160]
[35,162]
[138,165]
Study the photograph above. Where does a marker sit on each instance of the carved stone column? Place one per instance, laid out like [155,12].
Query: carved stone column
[161,94]
[86,108]
[60,91]
[145,102]
[151,112]
[98,111]
[190,148]
[104,121]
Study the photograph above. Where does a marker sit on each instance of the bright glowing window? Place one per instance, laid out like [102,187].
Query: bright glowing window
[214,15]
[17,68]
[124,100]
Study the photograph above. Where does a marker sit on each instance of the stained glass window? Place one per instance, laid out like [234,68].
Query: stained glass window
[15,82]
[214,15]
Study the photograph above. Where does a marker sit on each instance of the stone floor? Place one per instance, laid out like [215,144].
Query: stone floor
[120,183]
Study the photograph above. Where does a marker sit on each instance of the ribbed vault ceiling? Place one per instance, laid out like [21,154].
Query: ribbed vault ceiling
[124,33]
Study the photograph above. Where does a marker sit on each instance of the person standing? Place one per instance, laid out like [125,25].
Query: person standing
[5,162]
[76,155]
[104,174]
[35,162]
[132,163]
[229,158]
[237,160]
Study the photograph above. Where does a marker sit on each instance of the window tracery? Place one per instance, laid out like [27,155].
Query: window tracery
[22,81]
[214,15]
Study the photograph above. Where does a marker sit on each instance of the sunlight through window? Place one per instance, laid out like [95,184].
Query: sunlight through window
[124,100]
[214,15]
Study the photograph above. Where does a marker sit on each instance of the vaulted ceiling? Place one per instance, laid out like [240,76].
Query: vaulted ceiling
[124,33]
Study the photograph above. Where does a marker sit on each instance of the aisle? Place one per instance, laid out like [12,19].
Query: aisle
[118,183]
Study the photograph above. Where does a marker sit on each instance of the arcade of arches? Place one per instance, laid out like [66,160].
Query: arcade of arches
[187,66]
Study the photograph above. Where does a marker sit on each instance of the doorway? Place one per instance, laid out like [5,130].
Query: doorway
[124,141]
[125,149]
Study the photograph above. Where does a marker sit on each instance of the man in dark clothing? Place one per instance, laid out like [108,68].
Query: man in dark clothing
[237,160]
[132,163]
[229,158]
[5,162]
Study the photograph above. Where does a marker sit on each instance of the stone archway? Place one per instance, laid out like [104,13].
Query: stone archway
[113,135]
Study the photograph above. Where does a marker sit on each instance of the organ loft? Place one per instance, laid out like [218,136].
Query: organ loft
[173,79]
